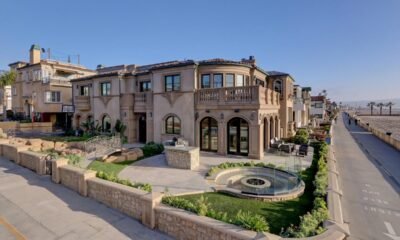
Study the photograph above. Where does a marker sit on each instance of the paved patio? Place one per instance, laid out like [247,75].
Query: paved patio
[155,171]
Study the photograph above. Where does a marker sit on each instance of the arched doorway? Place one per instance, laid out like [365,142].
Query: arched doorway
[106,123]
[238,136]
[209,134]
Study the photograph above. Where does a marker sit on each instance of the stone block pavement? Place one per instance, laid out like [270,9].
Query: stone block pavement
[33,207]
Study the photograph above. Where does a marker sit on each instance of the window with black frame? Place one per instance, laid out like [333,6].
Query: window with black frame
[218,81]
[172,83]
[105,88]
[84,90]
[173,125]
[205,81]
[145,86]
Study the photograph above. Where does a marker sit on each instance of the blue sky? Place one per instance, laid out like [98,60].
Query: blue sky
[349,47]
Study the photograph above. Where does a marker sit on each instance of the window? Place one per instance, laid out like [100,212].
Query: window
[278,86]
[173,125]
[53,97]
[218,81]
[172,83]
[14,91]
[318,105]
[145,86]
[205,81]
[229,80]
[84,91]
[105,88]
[239,81]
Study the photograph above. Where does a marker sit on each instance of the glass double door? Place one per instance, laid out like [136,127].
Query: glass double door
[238,136]
[209,134]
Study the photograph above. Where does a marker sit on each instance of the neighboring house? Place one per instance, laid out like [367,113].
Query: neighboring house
[306,96]
[219,105]
[5,99]
[43,86]
[283,83]
[318,108]
[299,107]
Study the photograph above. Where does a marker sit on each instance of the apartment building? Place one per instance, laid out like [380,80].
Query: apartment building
[301,106]
[318,109]
[223,106]
[42,90]
[283,84]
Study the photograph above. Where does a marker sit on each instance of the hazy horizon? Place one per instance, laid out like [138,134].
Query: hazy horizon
[341,46]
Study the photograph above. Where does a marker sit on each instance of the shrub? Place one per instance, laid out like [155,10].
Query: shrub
[251,221]
[110,177]
[180,203]
[202,206]
[300,139]
[151,149]
[74,159]
[227,165]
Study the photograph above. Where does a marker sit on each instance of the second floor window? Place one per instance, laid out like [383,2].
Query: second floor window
[205,81]
[53,97]
[172,83]
[84,90]
[229,80]
[145,86]
[239,81]
[105,88]
[218,81]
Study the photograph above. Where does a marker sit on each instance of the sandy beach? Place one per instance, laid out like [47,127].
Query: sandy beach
[384,123]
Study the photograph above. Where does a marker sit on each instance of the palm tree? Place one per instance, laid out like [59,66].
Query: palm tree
[7,78]
[390,104]
[380,105]
[371,105]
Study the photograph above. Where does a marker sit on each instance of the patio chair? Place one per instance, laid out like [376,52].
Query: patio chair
[276,143]
[303,150]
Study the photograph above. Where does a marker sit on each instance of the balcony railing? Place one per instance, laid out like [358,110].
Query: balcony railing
[143,101]
[56,80]
[237,95]
[82,103]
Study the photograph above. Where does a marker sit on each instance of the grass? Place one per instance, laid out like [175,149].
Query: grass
[279,215]
[109,168]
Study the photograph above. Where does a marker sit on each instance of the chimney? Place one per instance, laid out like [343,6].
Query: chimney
[34,54]
[251,60]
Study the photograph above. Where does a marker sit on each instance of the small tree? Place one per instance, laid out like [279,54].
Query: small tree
[371,105]
[390,104]
[7,78]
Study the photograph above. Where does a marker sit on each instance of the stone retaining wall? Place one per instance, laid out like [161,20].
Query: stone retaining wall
[27,127]
[11,151]
[33,161]
[125,199]
[75,178]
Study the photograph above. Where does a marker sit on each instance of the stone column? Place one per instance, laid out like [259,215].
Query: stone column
[266,134]
[272,125]
[256,149]
[222,138]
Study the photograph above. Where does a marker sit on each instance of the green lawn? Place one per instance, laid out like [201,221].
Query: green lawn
[109,168]
[278,214]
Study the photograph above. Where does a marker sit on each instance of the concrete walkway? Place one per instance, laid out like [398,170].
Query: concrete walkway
[369,174]
[33,207]
[155,171]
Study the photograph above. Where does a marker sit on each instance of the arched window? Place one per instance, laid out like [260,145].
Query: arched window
[173,125]
[278,86]
[106,123]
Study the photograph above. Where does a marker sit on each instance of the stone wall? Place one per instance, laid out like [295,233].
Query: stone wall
[27,127]
[33,161]
[75,178]
[183,157]
[11,151]
[183,225]
[125,199]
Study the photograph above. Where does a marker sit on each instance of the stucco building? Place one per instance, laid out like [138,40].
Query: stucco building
[229,107]
[318,109]
[43,87]
[301,106]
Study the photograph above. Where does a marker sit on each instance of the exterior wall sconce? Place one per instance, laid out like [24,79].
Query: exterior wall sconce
[236,110]
[207,111]
[196,115]
[222,116]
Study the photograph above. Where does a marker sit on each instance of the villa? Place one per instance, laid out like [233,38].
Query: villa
[42,88]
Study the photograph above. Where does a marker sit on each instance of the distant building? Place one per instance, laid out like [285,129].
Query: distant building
[43,86]
[318,109]
[301,106]
[5,99]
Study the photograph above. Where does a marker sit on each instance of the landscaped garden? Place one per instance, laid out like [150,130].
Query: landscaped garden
[300,217]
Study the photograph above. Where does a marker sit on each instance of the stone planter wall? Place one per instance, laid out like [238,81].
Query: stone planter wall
[33,161]
[183,157]
[75,178]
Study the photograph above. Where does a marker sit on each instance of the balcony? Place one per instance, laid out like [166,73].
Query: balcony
[56,80]
[247,96]
[143,101]
[82,103]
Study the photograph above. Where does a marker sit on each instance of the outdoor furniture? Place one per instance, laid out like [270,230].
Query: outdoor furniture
[287,147]
[276,143]
[303,150]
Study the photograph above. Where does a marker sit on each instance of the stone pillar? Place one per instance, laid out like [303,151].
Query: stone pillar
[222,138]
[266,134]
[278,127]
[55,171]
[272,124]
[83,181]
[256,150]
[149,202]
